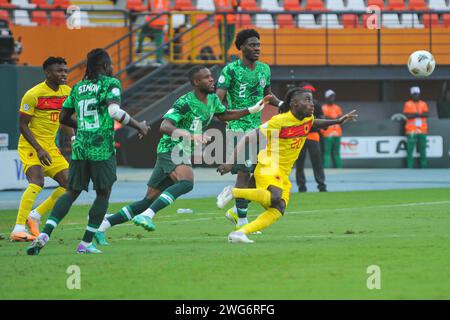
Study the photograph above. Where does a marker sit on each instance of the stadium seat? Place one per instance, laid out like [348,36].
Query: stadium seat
[378,3]
[63,4]
[390,20]
[6,4]
[431,20]
[23,4]
[292,5]
[285,21]
[184,5]
[314,5]
[243,20]
[136,5]
[446,20]
[42,4]
[396,5]
[330,21]
[178,20]
[249,5]
[357,5]
[438,5]
[418,5]
[57,18]
[336,5]
[22,18]
[307,21]
[270,5]
[350,21]
[4,15]
[40,17]
[264,21]
[411,20]
[206,5]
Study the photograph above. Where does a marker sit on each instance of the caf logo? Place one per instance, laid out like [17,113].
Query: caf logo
[262,82]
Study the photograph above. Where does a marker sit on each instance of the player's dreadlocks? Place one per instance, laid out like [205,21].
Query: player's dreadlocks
[96,59]
[286,106]
[53,60]
[243,35]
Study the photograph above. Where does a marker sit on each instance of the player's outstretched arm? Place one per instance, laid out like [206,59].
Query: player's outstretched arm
[323,123]
[167,127]
[237,114]
[124,118]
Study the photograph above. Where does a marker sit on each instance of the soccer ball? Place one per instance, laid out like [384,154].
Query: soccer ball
[421,63]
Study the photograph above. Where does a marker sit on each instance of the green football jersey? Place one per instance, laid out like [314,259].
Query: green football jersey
[190,114]
[245,88]
[95,134]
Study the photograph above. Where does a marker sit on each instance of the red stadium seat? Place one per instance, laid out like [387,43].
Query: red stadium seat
[4,15]
[243,20]
[350,21]
[42,4]
[314,5]
[418,5]
[293,5]
[396,5]
[63,4]
[57,18]
[378,3]
[184,5]
[431,20]
[135,5]
[40,17]
[446,20]
[6,4]
[286,21]
[249,5]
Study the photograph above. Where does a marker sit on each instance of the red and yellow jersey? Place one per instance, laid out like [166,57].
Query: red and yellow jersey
[416,125]
[43,104]
[286,136]
[332,112]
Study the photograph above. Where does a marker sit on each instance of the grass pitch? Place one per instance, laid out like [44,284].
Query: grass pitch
[320,249]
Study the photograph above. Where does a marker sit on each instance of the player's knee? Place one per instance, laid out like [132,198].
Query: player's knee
[278,203]
[39,181]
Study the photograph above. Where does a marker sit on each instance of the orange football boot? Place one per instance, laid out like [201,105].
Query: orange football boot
[33,226]
[21,236]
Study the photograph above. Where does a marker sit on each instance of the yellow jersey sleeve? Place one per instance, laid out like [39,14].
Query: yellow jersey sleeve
[273,124]
[28,104]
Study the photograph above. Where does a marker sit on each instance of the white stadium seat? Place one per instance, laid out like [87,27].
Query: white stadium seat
[330,20]
[390,20]
[264,20]
[411,20]
[357,5]
[307,21]
[206,5]
[22,18]
[271,5]
[336,5]
[438,5]
[23,4]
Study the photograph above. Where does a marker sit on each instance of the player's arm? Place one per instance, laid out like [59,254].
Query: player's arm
[66,119]
[324,123]
[124,118]
[237,114]
[274,101]
[169,128]
[221,93]
[24,121]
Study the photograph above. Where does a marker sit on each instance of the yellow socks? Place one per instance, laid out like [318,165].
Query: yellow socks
[50,201]
[26,203]
[264,220]
[258,195]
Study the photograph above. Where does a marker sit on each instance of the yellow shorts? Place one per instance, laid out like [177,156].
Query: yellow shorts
[278,179]
[29,158]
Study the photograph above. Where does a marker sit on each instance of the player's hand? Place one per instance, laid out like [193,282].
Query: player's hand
[143,129]
[44,157]
[260,104]
[352,115]
[224,168]
[200,139]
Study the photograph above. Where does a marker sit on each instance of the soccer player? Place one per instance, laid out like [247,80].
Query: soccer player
[172,177]
[38,125]
[243,83]
[96,102]
[286,133]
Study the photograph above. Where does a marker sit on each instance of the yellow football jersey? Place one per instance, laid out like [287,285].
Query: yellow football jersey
[286,136]
[43,104]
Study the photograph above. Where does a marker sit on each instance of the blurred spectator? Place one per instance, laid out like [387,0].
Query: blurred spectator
[332,135]
[154,28]
[207,53]
[228,28]
[7,44]
[312,146]
[416,128]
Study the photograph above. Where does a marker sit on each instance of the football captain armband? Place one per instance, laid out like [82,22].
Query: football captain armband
[118,114]
[257,107]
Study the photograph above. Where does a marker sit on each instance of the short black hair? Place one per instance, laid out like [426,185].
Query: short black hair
[243,35]
[96,58]
[53,60]
[194,70]
[286,105]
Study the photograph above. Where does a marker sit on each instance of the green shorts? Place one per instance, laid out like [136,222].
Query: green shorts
[164,166]
[247,162]
[102,174]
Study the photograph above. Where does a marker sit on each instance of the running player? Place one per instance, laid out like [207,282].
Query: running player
[172,177]
[38,124]
[96,102]
[243,83]
[286,133]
